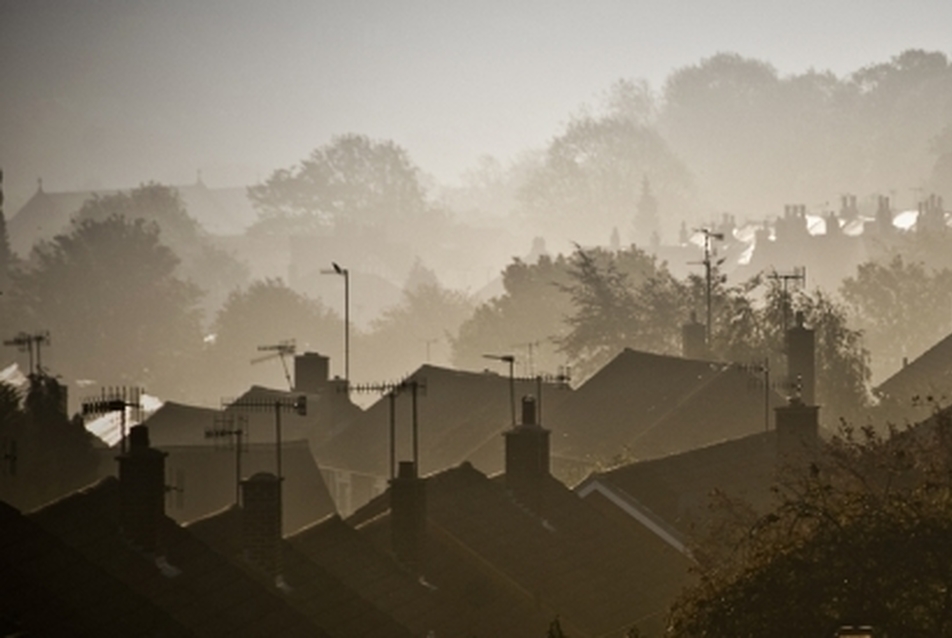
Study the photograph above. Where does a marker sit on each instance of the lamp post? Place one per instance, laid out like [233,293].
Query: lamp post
[511,360]
[337,270]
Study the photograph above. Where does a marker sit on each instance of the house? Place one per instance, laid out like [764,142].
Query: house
[46,214]
[919,386]
[49,588]
[460,417]
[522,541]
[643,405]
[119,525]
[669,496]
[248,536]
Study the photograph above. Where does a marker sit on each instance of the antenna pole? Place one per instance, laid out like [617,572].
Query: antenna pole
[277,434]
[392,395]
[416,446]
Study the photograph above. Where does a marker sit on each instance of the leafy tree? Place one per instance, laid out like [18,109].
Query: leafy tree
[593,171]
[530,311]
[212,269]
[420,326]
[118,313]
[860,538]
[902,307]
[613,311]
[352,180]
[265,313]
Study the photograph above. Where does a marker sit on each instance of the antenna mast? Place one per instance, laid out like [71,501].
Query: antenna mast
[281,350]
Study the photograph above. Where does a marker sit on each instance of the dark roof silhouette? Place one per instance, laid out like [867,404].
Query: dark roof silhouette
[191,583]
[928,375]
[643,405]
[672,493]
[339,609]
[372,571]
[207,478]
[567,560]
[48,588]
[459,413]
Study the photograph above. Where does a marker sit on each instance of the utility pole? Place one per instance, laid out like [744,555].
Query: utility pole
[709,265]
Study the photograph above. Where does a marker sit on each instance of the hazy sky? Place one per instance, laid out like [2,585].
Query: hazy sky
[112,93]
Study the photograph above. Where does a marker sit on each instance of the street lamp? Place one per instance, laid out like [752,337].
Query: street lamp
[346,275]
[511,360]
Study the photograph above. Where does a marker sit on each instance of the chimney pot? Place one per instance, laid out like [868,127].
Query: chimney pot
[528,410]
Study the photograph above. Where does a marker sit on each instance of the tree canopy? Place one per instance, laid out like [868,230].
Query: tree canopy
[859,538]
[109,293]
[351,180]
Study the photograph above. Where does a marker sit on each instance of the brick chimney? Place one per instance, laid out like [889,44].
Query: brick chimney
[141,490]
[693,339]
[311,372]
[408,516]
[798,433]
[801,361]
[261,522]
[527,457]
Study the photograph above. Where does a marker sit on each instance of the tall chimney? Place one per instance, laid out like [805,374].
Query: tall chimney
[408,516]
[311,372]
[527,457]
[261,522]
[797,434]
[693,339]
[801,361]
[141,490]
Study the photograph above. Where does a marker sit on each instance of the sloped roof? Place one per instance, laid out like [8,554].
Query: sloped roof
[208,479]
[677,488]
[645,405]
[206,594]
[49,589]
[324,598]
[349,556]
[459,412]
[568,559]
[928,375]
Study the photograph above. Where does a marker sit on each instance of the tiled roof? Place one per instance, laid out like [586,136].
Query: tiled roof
[567,560]
[677,488]
[340,610]
[207,478]
[349,556]
[49,589]
[194,585]
[928,375]
[458,413]
[643,405]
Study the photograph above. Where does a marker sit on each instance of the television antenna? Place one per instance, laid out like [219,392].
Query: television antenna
[798,276]
[118,399]
[230,427]
[511,360]
[279,350]
[392,389]
[26,342]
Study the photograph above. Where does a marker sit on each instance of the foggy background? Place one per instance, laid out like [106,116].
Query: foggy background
[513,131]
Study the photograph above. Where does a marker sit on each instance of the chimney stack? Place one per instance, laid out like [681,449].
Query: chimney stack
[801,361]
[311,372]
[141,490]
[527,457]
[261,522]
[798,434]
[408,516]
[693,339]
